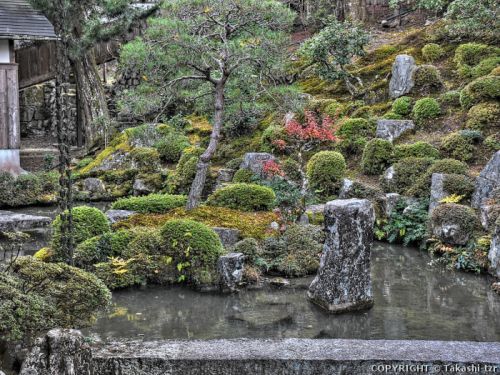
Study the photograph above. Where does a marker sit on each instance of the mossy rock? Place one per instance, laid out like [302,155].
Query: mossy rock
[427,79]
[377,156]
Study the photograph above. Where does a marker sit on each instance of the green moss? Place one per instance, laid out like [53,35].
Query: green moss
[469,55]
[119,143]
[418,149]
[450,98]
[171,146]
[406,172]
[354,133]
[485,67]
[480,90]
[325,170]
[425,109]
[245,197]
[27,189]
[483,116]
[427,79]
[432,52]
[457,147]
[244,175]
[88,222]
[392,116]
[377,156]
[152,203]
[459,184]
[145,158]
[194,249]
[402,106]
[460,215]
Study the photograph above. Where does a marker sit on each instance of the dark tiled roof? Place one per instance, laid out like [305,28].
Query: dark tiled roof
[18,20]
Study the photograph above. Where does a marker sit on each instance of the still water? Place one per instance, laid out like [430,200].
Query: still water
[413,300]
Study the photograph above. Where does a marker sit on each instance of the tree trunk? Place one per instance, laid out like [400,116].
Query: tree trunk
[204,162]
[92,103]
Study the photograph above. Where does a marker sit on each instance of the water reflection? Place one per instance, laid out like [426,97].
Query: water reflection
[412,301]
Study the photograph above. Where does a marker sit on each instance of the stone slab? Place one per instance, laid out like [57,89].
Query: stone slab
[11,221]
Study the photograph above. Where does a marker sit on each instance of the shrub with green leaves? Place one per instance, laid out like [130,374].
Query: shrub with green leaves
[455,146]
[450,98]
[250,248]
[354,133]
[152,203]
[406,172]
[88,222]
[483,116]
[242,196]
[27,189]
[427,79]
[145,158]
[418,150]
[458,214]
[234,163]
[485,67]
[171,146]
[493,142]
[325,170]
[194,249]
[185,171]
[480,90]
[244,175]
[377,156]
[425,109]
[469,55]
[402,106]
[432,52]
[459,184]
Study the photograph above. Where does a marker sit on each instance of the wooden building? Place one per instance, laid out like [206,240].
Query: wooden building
[18,21]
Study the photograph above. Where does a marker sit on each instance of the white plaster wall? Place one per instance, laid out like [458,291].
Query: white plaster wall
[4,51]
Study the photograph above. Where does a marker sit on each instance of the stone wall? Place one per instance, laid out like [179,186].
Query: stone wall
[37,104]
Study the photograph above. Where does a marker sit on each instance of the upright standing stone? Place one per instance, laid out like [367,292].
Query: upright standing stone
[343,281]
[437,190]
[402,76]
[494,253]
[488,180]
[230,268]
[254,161]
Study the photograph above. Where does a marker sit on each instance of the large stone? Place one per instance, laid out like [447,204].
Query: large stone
[343,282]
[254,161]
[437,190]
[494,253]
[94,186]
[59,352]
[393,129]
[402,76]
[12,222]
[224,176]
[345,190]
[390,202]
[141,187]
[488,180]
[388,179]
[115,216]
[228,236]
[453,223]
[230,268]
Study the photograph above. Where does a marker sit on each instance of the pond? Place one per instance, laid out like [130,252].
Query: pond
[413,300]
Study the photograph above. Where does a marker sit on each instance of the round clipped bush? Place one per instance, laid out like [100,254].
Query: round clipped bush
[485,67]
[459,184]
[171,146]
[455,146]
[354,133]
[406,172]
[425,109]
[480,90]
[418,150]
[88,222]
[249,247]
[325,170]
[244,175]
[402,106]
[377,156]
[493,142]
[483,116]
[468,55]
[427,79]
[432,52]
[242,196]
[461,218]
[152,203]
[450,98]
[194,249]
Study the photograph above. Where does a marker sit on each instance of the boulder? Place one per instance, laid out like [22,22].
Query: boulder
[254,161]
[312,215]
[402,76]
[453,223]
[437,190]
[94,186]
[14,222]
[230,268]
[390,202]
[488,180]
[391,130]
[224,176]
[115,216]
[388,179]
[61,352]
[228,236]
[141,187]
[488,214]
[343,281]
[494,253]
[346,188]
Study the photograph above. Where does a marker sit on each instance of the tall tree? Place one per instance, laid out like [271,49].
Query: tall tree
[208,45]
[80,24]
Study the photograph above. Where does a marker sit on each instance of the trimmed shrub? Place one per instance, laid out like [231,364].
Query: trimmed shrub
[427,79]
[145,158]
[377,156]
[270,135]
[248,247]
[425,109]
[325,170]
[194,249]
[244,175]
[493,142]
[354,133]
[450,98]
[392,116]
[483,116]
[432,52]
[418,150]
[88,222]
[171,146]
[245,197]
[152,203]
[185,171]
[291,168]
[459,184]
[485,67]
[402,105]
[406,172]
[455,146]
[463,216]
[480,90]
[469,55]
[234,163]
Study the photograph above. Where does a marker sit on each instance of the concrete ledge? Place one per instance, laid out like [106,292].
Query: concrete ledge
[295,356]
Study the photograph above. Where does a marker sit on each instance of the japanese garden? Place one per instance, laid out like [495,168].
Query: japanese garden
[249,187]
